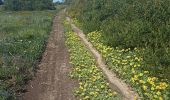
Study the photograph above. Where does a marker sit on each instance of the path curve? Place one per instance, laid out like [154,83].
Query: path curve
[115,83]
[52,81]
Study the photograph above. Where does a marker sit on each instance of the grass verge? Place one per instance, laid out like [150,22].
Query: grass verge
[23,36]
[92,83]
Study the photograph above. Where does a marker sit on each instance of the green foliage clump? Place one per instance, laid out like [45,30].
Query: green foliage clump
[29,5]
[22,38]
[130,24]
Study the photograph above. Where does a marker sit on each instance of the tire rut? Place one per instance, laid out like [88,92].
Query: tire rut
[52,81]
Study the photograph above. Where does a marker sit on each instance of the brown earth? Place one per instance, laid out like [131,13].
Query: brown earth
[52,81]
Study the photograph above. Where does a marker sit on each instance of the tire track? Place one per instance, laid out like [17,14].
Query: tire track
[52,81]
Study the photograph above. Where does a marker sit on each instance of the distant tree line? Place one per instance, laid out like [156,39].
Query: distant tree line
[58,3]
[28,5]
[1,2]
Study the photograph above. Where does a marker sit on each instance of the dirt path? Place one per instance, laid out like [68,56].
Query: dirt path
[115,83]
[52,81]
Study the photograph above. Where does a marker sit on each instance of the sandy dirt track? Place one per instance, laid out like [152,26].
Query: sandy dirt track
[52,81]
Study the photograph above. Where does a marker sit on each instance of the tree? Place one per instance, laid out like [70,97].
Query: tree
[1,2]
[68,1]
[29,5]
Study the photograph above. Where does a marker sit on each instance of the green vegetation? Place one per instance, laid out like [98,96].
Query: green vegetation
[128,64]
[92,83]
[142,24]
[128,25]
[29,5]
[22,38]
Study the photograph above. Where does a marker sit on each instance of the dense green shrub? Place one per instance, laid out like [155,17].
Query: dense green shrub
[130,24]
[29,4]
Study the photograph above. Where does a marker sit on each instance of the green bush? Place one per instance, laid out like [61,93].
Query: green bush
[130,24]
[29,5]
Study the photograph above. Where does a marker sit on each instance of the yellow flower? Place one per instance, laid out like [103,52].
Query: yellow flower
[144,87]
[114,93]
[95,94]
[86,97]
[91,93]
[154,78]
[84,90]
[135,77]
[128,56]
[141,81]
[146,72]
[81,87]
[97,90]
[133,80]
[158,93]
[77,68]
[107,84]
[152,88]
[82,94]
[110,94]
[131,64]
[133,70]
[136,58]
[160,98]
[102,86]
[155,96]
[135,98]
[162,86]
[80,83]
[135,66]
[150,81]
[141,74]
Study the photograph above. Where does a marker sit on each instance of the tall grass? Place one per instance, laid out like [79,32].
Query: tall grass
[22,38]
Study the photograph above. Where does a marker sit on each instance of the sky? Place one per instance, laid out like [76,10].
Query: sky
[56,0]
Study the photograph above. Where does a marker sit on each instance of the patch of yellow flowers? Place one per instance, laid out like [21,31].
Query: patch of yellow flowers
[128,65]
[92,83]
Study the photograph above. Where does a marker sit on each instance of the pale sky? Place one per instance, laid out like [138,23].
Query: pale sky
[56,0]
